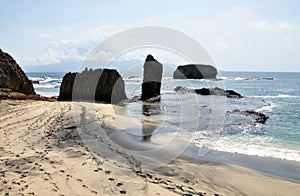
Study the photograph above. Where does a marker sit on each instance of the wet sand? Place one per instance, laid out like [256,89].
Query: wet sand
[44,150]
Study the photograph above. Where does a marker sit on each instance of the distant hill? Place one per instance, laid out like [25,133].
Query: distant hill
[126,68]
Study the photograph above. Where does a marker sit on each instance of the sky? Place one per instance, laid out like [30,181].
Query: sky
[248,35]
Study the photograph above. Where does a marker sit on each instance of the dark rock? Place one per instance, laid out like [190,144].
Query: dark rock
[259,117]
[210,91]
[195,71]
[233,94]
[203,91]
[183,89]
[104,85]
[152,78]
[12,76]
[219,92]
[66,87]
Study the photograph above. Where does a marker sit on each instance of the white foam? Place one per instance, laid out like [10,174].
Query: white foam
[268,108]
[258,146]
[243,78]
[276,96]
[47,85]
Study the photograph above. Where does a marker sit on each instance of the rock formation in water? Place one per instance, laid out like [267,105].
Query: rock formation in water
[152,78]
[259,117]
[219,92]
[12,77]
[66,87]
[103,85]
[210,91]
[195,71]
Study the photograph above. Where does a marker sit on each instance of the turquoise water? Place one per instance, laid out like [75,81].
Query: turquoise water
[208,119]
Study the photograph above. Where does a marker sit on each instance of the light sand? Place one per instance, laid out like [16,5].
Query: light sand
[41,153]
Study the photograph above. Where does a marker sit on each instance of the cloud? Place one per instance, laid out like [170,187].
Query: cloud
[262,24]
[56,56]
[68,45]
[45,35]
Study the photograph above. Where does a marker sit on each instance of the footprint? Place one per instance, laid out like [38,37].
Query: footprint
[119,184]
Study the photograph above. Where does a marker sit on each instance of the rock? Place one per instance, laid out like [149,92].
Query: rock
[183,89]
[66,87]
[219,92]
[210,91]
[12,76]
[233,94]
[152,78]
[195,71]
[104,85]
[259,117]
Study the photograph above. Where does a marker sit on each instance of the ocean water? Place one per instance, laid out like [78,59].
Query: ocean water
[209,120]
[46,84]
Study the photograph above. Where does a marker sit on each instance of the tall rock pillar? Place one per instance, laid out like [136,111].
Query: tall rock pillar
[152,78]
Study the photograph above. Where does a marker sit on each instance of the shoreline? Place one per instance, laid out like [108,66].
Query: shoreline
[42,152]
[289,170]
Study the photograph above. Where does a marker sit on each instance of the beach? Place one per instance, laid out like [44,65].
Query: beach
[46,149]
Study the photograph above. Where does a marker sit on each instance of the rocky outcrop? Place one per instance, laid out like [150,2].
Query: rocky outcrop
[195,71]
[219,92]
[12,76]
[66,87]
[210,91]
[103,85]
[259,117]
[152,78]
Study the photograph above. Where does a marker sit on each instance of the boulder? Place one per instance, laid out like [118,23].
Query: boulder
[259,117]
[103,85]
[219,92]
[195,71]
[210,91]
[152,78]
[66,87]
[12,76]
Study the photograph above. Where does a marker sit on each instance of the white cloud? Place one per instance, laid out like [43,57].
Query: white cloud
[56,56]
[45,35]
[221,45]
[262,24]
[69,45]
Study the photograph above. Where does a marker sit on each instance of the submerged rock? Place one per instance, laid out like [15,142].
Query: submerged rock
[219,92]
[12,76]
[195,71]
[210,91]
[152,78]
[259,117]
[104,85]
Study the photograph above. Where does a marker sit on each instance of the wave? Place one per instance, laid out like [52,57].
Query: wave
[276,96]
[45,82]
[244,78]
[38,86]
[262,147]
[268,108]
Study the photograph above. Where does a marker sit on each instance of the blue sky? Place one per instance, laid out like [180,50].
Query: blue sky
[239,35]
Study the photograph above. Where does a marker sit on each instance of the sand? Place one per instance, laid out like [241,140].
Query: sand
[42,153]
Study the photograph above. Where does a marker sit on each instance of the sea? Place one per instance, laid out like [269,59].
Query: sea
[213,122]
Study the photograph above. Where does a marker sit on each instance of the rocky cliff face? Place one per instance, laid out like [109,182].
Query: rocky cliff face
[12,76]
[195,71]
[152,78]
[104,85]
